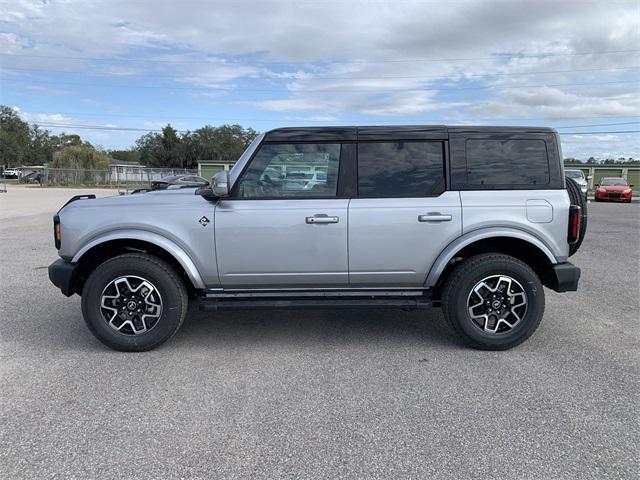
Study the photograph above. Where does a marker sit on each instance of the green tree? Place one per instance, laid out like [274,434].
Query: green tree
[81,157]
[14,137]
[131,155]
[160,150]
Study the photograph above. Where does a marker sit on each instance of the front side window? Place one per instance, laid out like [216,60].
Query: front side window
[400,169]
[507,162]
[296,170]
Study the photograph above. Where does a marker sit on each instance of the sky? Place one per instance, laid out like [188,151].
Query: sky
[110,70]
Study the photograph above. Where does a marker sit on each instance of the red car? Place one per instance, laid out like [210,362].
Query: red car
[613,188]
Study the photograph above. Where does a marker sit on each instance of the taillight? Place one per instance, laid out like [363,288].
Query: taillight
[57,235]
[574,223]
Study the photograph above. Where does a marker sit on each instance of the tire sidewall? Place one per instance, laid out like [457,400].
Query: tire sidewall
[535,307]
[172,307]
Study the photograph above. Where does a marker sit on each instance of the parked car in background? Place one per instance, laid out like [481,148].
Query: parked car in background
[11,173]
[177,181]
[615,189]
[33,177]
[579,178]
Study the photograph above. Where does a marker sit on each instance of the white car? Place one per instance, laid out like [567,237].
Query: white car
[578,176]
[11,173]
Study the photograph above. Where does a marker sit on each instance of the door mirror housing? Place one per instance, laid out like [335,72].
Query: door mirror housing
[218,188]
[597,185]
[220,184]
[631,185]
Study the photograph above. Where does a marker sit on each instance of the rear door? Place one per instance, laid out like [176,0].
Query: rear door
[403,216]
[272,232]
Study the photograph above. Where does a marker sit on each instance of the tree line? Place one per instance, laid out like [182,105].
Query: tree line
[24,144]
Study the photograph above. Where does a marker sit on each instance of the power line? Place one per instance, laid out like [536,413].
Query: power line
[132,129]
[330,91]
[600,125]
[207,117]
[292,62]
[323,77]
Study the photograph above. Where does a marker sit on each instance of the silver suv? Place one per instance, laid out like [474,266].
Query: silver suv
[473,219]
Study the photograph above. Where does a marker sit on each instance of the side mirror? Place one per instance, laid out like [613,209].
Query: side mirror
[631,185]
[597,185]
[220,184]
[219,187]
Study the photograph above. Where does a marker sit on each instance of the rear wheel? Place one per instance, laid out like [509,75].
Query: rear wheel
[493,301]
[134,302]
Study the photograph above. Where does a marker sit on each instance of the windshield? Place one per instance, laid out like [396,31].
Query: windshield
[574,174]
[614,182]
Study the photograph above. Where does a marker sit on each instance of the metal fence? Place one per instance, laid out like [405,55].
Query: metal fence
[124,178]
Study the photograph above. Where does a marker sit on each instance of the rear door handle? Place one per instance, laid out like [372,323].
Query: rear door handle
[322,218]
[434,217]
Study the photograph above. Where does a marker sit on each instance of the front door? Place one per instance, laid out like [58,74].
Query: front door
[283,226]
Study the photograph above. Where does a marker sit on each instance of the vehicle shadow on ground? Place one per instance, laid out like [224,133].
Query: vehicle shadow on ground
[393,327]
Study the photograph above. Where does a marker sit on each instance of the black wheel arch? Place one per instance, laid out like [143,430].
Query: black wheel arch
[102,252]
[518,248]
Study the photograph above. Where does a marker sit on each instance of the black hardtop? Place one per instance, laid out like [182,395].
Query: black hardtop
[389,132]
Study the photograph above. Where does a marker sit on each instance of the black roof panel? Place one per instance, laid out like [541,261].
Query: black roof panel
[305,134]
[388,132]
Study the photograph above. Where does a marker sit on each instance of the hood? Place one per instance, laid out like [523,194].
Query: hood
[154,197]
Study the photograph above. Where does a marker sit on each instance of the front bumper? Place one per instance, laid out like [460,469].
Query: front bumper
[63,275]
[564,277]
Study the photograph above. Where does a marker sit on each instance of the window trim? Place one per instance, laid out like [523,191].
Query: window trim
[344,158]
[445,165]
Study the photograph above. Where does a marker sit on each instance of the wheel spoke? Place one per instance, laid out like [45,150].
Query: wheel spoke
[131,305]
[497,304]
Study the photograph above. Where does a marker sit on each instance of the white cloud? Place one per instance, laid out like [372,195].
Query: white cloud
[329,60]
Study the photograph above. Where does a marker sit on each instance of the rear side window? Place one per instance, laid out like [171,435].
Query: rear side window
[400,169]
[507,162]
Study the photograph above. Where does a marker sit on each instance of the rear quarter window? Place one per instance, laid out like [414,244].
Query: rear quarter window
[509,162]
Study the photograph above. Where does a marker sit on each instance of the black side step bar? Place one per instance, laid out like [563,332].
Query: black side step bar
[215,304]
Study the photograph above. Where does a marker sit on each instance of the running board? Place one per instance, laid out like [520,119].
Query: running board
[217,303]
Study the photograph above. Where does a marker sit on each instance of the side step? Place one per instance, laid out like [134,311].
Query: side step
[214,304]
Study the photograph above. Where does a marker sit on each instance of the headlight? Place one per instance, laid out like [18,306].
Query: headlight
[602,189]
[628,190]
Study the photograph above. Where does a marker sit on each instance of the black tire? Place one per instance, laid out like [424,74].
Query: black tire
[576,198]
[466,275]
[161,275]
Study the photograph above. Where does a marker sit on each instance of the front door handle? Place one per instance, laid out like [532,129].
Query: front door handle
[434,217]
[322,218]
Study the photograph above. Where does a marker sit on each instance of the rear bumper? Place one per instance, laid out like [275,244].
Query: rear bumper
[62,274]
[564,277]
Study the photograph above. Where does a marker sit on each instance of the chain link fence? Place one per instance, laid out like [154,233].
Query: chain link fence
[124,178]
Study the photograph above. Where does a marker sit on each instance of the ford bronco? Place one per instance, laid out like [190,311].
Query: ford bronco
[473,219]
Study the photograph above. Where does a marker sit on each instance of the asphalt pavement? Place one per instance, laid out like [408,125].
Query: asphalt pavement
[322,394]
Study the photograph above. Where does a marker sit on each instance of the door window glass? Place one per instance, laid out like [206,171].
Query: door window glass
[400,169]
[292,170]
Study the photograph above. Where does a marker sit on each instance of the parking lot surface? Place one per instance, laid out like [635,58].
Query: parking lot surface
[320,394]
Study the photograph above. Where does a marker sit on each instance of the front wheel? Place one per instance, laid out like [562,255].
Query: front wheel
[134,302]
[493,301]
